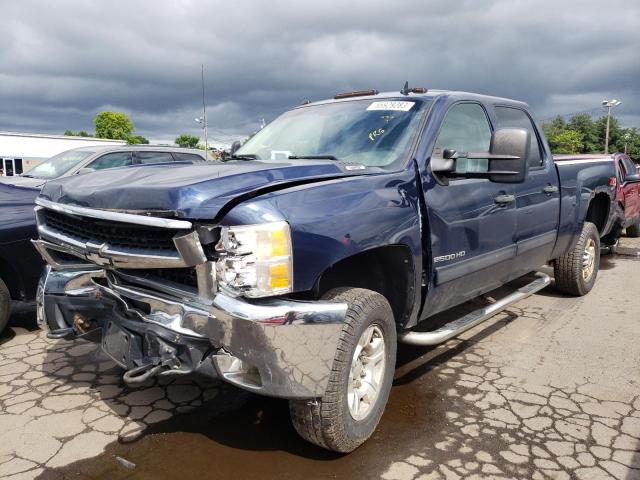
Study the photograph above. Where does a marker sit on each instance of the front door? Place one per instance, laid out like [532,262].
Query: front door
[472,221]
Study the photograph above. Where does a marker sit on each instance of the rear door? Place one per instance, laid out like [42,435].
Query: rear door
[472,220]
[537,199]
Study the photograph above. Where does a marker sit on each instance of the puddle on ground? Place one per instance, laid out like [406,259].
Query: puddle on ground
[239,435]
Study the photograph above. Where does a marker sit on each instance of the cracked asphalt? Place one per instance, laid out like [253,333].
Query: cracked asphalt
[549,389]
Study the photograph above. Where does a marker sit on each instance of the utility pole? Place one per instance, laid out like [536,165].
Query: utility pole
[608,104]
[627,137]
[204,117]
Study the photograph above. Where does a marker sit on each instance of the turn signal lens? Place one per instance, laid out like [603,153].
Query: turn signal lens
[256,260]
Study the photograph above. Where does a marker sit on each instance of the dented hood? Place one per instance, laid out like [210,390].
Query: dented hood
[189,191]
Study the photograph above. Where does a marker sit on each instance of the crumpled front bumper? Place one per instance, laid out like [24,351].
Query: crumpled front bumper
[69,304]
[276,347]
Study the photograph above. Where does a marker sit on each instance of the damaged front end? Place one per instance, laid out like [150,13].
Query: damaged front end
[151,284]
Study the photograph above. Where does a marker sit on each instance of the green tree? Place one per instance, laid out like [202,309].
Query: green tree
[615,133]
[554,127]
[584,124]
[81,133]
[187,141]
[114,125]
[137,140]
[568,141]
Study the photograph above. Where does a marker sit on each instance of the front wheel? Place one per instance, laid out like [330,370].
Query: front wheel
[5,303]
[575,272]
[360,380]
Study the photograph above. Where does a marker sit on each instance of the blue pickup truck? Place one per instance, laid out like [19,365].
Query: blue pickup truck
[293,267]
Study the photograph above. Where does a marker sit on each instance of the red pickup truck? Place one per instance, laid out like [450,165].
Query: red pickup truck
[627,183]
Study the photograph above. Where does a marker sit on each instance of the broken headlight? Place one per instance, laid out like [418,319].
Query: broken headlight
[255,260]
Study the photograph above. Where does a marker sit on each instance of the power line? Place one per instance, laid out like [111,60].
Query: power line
[591,112]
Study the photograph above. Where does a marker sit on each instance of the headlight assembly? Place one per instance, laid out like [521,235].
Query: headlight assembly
[255,260]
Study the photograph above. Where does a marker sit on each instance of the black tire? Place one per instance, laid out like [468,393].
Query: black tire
[327,421]
[568,269]
[5,304]
[633,230]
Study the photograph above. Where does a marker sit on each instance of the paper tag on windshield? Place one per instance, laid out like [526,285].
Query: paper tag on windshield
[393,105]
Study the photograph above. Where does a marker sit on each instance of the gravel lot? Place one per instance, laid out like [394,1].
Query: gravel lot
[548,389]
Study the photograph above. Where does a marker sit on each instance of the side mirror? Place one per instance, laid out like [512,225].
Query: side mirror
[85,170]
[634,178]
[235,146]
[509,154]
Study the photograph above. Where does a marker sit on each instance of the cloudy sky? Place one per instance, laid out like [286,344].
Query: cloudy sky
[63,61]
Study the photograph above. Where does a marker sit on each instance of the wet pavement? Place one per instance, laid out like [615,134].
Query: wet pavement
[548,389]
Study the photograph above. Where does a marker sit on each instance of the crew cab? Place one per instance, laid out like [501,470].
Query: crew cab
[293,268]
[20,264]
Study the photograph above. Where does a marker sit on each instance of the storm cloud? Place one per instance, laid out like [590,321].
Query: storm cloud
[61,62]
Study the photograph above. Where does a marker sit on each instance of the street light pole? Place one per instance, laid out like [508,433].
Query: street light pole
[204,118]
[608,104]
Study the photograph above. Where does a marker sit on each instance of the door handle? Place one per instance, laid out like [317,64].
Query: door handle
[550,189]
[504,199]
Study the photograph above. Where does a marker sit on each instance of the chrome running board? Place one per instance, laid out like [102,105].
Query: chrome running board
[456,327]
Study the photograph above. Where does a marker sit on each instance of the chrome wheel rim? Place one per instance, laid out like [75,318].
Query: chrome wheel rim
[366,372]
[589,259]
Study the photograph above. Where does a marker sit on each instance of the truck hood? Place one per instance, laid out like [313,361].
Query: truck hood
[190,191]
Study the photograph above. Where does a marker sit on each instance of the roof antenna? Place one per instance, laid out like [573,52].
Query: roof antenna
[405,90]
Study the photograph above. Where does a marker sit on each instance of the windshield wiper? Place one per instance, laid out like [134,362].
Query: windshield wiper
[244,156]
[312,157]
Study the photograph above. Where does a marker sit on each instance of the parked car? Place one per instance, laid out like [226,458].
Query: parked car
[293,268]
[627,182]
[20,264]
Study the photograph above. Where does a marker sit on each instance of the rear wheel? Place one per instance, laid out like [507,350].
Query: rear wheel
[634,230]
[576,271]
[360,380]
[5,303]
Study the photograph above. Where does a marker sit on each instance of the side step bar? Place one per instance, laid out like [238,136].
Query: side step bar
[456,327]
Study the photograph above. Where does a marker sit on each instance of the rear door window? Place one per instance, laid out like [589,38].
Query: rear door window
[510,117]
[629,167]
[153,157]
[111,160]
[187,157]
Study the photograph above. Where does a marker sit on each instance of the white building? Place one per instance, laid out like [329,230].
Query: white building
[22,151]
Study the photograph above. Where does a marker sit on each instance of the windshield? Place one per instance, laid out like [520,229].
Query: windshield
[59,164]
[368,132]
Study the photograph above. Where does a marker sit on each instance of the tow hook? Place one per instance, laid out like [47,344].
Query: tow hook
[65,333]
[145,372]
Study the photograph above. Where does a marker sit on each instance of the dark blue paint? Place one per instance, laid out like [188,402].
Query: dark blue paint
[335,213]
[20,264]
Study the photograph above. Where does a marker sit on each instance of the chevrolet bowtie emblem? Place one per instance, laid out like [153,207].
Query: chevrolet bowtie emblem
[94,254]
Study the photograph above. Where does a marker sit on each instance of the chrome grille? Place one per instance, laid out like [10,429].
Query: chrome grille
[116,234]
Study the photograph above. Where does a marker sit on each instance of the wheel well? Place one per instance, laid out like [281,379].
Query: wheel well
[598,211]
[11,279]
[387,270]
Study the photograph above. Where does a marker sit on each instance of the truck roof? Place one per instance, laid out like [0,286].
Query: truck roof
[428,95]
